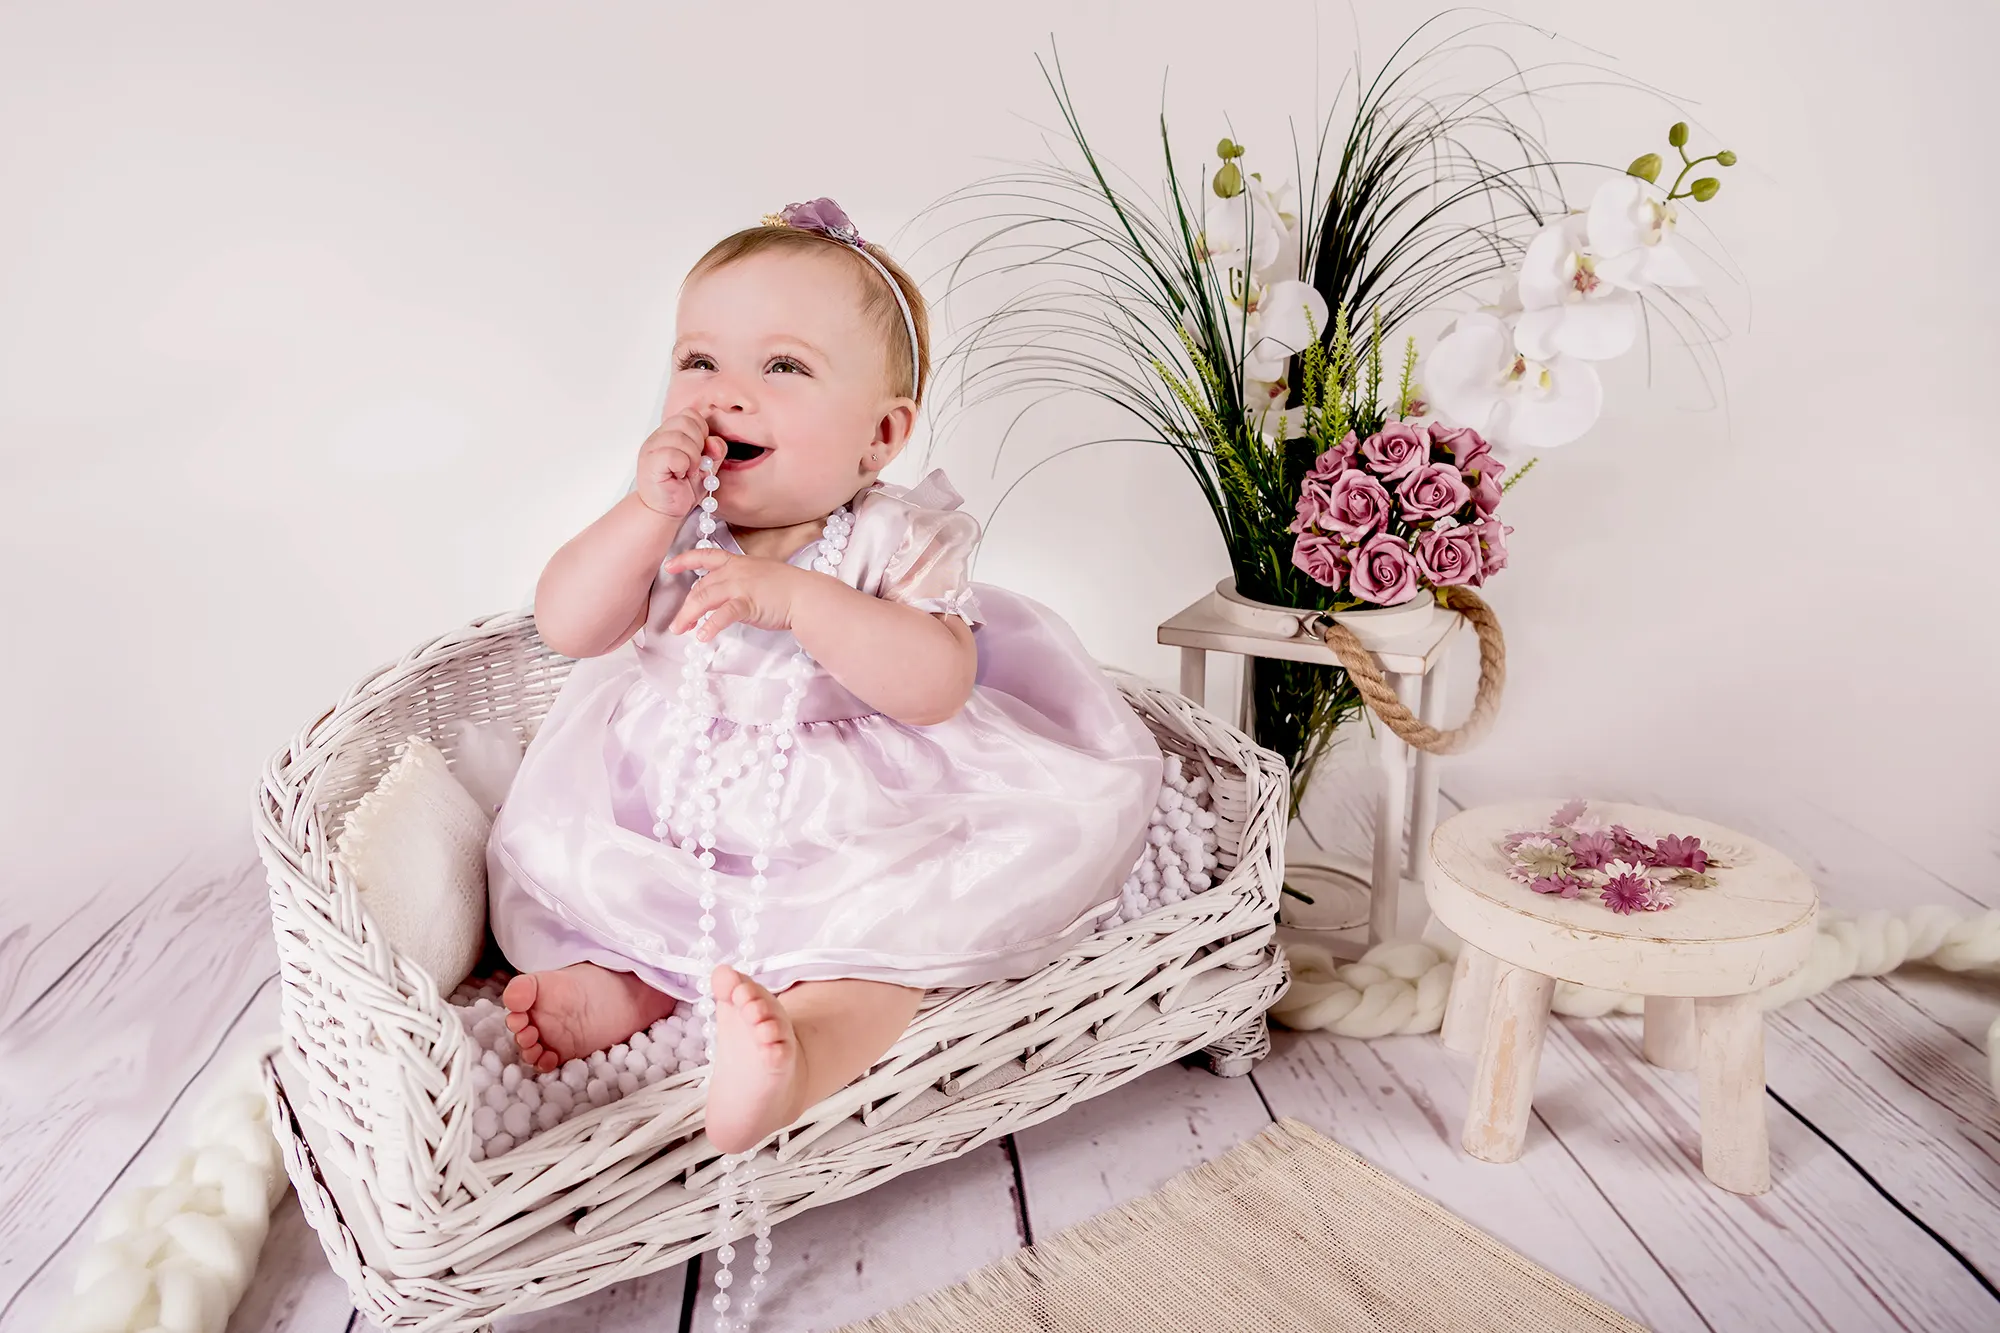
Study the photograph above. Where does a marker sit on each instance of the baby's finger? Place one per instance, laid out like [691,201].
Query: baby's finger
[701,599]
[715,447]
[720,619]
[698,557]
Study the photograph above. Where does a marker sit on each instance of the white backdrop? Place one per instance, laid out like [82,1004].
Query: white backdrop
[322,326]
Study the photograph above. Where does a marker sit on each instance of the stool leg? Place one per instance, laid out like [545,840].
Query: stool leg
[1671,1041]
[1470,998]
[1503,1085]
[1194,675]
[1735,1141]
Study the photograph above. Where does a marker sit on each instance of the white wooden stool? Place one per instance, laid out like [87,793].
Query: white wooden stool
[1700,965]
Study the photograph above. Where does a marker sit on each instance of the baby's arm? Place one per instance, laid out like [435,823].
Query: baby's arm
[594,593]
[916,666]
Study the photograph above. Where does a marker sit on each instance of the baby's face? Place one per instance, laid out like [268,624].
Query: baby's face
[777,353]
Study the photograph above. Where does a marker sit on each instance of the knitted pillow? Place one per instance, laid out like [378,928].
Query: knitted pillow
[416,846]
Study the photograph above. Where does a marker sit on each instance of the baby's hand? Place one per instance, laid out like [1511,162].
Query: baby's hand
[670,463]
[744,588]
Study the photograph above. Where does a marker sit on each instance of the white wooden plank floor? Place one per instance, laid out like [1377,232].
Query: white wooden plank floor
[1885,1137]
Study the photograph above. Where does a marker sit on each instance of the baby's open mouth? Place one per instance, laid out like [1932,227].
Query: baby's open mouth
[743,453]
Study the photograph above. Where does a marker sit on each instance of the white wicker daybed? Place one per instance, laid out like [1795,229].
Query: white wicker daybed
[371,1090]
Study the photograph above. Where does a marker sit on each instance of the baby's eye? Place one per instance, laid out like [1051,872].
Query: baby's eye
[796,366]
[688,362]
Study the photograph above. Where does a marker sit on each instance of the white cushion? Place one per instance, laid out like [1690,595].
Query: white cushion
[416,847]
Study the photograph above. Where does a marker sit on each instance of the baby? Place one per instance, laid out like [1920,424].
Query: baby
[922,784]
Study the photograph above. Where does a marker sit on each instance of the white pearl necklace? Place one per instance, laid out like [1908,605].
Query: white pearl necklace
[697,809]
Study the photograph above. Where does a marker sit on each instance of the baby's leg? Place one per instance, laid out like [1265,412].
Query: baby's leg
[572,1011]
[776,1055]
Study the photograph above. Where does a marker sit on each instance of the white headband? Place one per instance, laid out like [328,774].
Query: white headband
[825,217]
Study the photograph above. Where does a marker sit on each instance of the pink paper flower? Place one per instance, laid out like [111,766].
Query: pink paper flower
[1322,558]
[1432,491]
[1492,535]
[1592,850]
[1560,886]
[1356,506]
[1384,573]
[1448,556]
[1681,852]
[1632,847]
[1569,811]
[1627,893]
[1337,459]
[1396,450]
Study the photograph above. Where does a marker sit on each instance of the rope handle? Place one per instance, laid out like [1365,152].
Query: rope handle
[1381,697]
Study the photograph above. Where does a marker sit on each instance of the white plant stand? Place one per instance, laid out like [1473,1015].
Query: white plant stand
[1700,964]
[1225,623]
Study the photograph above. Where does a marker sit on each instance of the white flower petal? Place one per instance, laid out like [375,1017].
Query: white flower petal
[1240,229]
[1545,267]
[1622,215]
[1534,419]
[1597,329]
[1535,330]
[1282,311]
[1465,370]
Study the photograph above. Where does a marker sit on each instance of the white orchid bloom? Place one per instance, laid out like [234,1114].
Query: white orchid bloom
[1242,232]
[1568,308]
[1631,226]
[1476,376]
[1282,317]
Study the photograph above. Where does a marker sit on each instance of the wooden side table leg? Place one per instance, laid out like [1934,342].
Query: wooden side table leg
[1671,1041]
[1424,802]
[1735,1140]
[1503,1085]
[1386,878]
[1470,999]
[1194,675]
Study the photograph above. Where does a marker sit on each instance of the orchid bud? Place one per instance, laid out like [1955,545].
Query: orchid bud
[1229,181]
[1705,188]
[1678,135]
[1226,149]
[1726,158]
[1646,168]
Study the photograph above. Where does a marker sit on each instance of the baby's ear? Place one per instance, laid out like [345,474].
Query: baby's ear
[892,432]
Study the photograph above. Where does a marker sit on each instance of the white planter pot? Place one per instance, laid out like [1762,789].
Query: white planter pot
[1381,625]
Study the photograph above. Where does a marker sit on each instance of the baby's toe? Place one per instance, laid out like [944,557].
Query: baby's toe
[528,1037]
[520,993]
[516,1022]
[548,1062]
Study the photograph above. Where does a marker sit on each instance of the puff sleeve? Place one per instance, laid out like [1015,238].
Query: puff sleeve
[930,568]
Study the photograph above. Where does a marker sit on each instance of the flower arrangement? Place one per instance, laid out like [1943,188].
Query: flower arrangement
[1409,509]
[1576,856]
[1220,322]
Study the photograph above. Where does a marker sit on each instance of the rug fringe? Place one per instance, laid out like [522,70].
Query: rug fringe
[1021,1273]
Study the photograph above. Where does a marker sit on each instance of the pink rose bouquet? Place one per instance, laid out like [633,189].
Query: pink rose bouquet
[1408,509]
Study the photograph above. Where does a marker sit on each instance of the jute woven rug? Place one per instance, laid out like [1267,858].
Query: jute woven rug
[1289,1231]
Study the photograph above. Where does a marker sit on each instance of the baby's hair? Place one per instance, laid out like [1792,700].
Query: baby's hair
[878,302]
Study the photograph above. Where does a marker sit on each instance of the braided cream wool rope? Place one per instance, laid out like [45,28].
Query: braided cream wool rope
[175,1256]
[1400,986]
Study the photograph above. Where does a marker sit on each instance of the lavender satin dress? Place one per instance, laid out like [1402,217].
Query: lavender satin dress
[940,856]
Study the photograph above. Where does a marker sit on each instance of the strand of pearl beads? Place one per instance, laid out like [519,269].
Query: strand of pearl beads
[699,806]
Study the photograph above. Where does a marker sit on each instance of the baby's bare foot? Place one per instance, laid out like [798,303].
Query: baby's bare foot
[568,1013]
[757,1083]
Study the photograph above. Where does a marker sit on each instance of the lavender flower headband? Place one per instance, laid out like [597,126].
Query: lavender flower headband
[826,217]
